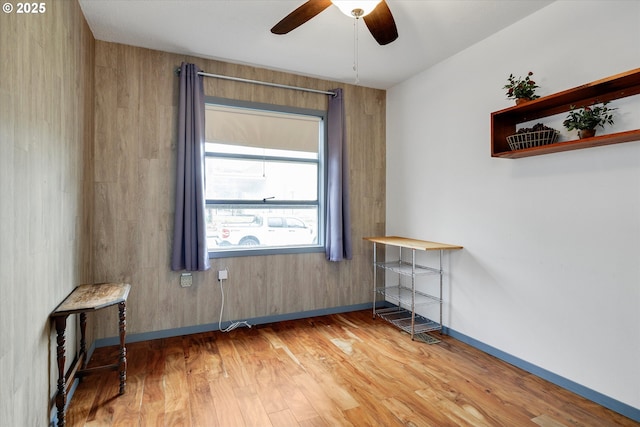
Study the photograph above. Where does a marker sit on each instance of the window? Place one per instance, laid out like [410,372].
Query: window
[264,178]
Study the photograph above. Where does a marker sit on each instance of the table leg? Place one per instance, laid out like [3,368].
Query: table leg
[61,397]
[123,350]
[375,279]
[83,340]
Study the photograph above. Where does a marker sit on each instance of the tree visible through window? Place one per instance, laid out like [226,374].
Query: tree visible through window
[264,178]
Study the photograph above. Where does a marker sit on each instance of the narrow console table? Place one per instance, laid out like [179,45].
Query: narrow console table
[82,299]
[405,295]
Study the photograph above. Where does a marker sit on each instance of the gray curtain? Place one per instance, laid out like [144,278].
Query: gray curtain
[338,230]
[189,250]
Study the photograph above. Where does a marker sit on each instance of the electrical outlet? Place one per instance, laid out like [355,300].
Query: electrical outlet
[186,280]
[223,274]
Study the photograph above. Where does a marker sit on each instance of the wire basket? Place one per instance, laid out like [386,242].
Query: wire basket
[532,139]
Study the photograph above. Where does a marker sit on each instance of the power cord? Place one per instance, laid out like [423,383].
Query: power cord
[233,325]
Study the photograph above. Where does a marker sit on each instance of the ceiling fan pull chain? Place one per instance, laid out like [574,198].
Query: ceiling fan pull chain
[355,48]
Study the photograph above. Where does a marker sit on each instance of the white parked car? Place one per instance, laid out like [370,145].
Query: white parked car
[266,231]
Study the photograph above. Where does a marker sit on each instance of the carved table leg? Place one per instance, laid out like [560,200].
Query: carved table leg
[61,397]
[83,341]
[123,350]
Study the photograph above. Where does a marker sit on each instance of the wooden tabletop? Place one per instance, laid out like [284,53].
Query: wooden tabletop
[423,245]
[92,297]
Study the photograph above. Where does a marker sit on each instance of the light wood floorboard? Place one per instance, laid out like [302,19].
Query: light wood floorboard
[338,370]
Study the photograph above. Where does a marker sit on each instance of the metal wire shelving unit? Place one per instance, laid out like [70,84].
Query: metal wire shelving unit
[404,294]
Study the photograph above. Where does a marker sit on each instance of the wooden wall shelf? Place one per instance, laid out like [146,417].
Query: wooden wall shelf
[503,122]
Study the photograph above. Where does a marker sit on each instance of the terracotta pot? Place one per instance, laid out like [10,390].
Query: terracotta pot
[522,100]
[586,133]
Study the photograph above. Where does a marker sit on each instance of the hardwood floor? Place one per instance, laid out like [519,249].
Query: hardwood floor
[338,370]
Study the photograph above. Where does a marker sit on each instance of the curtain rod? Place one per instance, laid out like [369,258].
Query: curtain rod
[258,82]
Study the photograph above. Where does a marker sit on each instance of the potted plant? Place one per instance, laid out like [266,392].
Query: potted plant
[520,89]
[586,119]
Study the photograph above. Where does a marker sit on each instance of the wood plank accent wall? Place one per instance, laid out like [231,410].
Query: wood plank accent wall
[135,138]
[46,133]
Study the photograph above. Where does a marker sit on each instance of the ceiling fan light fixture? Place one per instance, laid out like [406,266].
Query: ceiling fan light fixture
[356,8]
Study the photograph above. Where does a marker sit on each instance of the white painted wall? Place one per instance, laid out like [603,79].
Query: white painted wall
[550,272]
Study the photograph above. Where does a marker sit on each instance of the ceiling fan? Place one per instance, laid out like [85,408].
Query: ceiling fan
[375,13]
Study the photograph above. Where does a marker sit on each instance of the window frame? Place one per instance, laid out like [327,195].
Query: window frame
[321,181]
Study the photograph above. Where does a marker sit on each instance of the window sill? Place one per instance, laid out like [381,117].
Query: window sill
[233,253]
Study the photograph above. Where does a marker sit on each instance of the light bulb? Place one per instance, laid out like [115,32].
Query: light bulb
[356,8]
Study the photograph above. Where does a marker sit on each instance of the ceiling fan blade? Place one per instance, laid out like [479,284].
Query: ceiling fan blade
[381,24]
[301,15]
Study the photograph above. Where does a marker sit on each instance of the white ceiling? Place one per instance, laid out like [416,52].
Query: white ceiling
[238,31]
